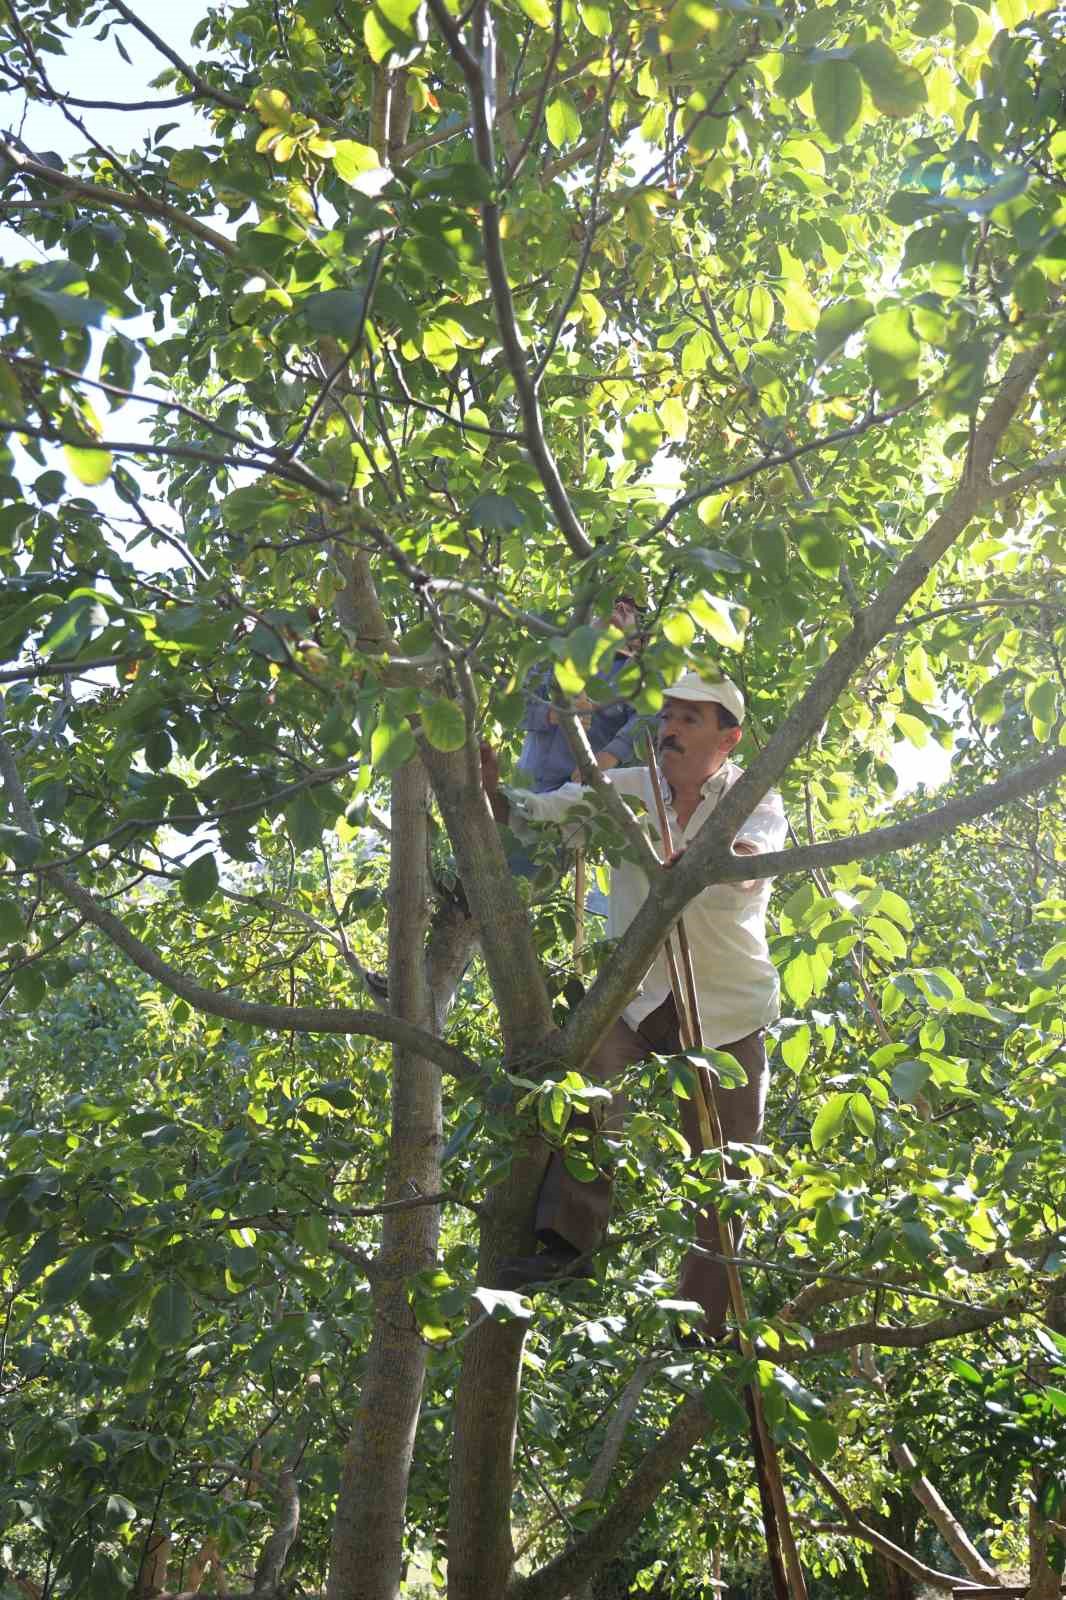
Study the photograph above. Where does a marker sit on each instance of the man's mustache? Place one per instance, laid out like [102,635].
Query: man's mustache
[670,743]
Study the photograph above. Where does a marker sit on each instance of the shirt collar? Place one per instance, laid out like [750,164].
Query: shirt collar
[719,781]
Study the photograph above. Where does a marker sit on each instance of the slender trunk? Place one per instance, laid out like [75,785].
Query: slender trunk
[367,1556]
[480,1551]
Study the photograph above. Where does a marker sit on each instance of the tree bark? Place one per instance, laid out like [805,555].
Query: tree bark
[480,1552]
[367,1555]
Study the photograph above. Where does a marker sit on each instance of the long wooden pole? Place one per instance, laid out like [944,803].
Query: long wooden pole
[781,1543]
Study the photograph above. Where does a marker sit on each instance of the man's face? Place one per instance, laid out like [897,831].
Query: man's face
[624,615]
[691,744]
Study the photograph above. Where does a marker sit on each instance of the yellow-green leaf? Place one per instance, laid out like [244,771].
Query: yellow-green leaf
[443,722]
[91,467]
[918,678]
[273,107]
[562,122]
[800,308]
[761,310]
[896,89]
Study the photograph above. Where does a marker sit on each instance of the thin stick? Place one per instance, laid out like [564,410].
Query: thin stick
[579,909]
[781,1544]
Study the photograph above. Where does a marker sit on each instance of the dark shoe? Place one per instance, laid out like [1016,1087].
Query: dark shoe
[378,985]
[698,1339]
[555,1267]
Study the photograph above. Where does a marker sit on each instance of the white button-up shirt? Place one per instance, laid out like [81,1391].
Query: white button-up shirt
[736,981]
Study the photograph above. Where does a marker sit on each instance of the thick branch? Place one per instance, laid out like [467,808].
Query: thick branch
[215,1002]
[289,470]
[830,1288]
[102,194]
[877,1541]
[709,857]
[580,1560]
[918,1335]
[925,1491]
[923,829]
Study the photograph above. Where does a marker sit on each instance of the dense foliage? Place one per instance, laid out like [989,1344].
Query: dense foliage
[388,348]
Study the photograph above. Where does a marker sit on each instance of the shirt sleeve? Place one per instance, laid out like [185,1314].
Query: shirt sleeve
[537,689]
[621,746]
[557,805]
[767,828]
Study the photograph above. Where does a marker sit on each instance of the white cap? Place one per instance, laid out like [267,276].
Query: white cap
[690,686]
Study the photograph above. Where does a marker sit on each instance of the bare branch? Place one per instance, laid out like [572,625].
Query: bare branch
[832,1286]
[64,669]
[496,267]
[923,829]
[430,140]
[202,87]
[516,165]
[289,470]
[1052,466]
[780,458]
[918,1335]
[877,1541]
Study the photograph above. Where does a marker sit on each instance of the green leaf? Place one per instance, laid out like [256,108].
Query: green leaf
[796,1047]
[383,39]
[21,848]
[539,12]
[170,1316]
[443,722]
[304,822]
[818,547]
[65,1284]
[312,1233]
[143,1365]
[909,1078]
[495,511]
[862,1114]
[724,1406]
[822,1438]
[761,310]
[391,744]
[11,923]
[351,161]
[918,678]
[892,352]
[335,311]
[596,17]
[44,1251]
[932,17]
[200,880]
[837,323]
[799,307]
[896,89]
[837,98]
[829,1120]
[562,122]
[503,1305]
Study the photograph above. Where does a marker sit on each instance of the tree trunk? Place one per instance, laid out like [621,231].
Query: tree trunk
[889,1581]
[367,1556]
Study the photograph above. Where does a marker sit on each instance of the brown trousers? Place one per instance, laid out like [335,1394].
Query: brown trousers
[578,1212]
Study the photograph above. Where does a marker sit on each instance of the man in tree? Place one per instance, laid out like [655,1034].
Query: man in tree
[547,760]
[736,983]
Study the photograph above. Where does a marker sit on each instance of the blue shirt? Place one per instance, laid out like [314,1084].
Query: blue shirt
[547,759]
